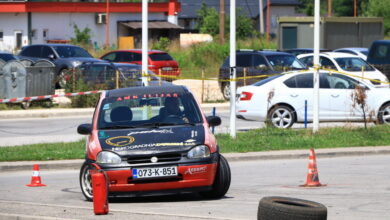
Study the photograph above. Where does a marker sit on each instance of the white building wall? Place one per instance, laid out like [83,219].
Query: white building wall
[10,23]
[59,26]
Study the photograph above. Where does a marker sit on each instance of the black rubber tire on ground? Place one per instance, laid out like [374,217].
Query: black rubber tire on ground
[281,116]
[384,114]
[221,182]
[86,181]
[285,208]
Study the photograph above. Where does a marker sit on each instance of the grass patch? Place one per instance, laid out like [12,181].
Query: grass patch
[266,139]
[50,151]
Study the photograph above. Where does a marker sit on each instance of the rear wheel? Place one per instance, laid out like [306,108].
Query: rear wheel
[384,114]
[226,90]
[61,79]
[281,116]
[86,181]
[221,182]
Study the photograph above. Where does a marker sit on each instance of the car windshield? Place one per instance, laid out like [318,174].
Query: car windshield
[264,81]
[353,64]
[365,52]
[71,51]
[285,61]
[160,57]
[149,110]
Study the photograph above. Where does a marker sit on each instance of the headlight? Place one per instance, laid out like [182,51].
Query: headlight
[108,158]
[200,151]
[76,63]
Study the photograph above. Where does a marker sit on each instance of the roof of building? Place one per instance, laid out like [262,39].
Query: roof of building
[248,7]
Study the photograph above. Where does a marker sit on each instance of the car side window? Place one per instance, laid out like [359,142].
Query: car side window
[327,63]
[126,57]
[137,57]
[32,51]
[110,57]
[304,80]
[381,51]
[308,61]
[259,61]
[338,81]
[244,60]
[46,52]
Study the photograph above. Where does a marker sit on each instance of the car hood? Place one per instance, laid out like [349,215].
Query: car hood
[151,140]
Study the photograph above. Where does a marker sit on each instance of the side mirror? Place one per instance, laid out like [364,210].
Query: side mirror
[51,56]
[84,129]
[213,120]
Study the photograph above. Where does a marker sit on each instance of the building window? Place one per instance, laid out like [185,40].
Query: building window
[45,33]
[34,34]
[1,35]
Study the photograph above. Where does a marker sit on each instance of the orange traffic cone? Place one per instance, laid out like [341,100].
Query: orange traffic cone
[312,179]
[35,179]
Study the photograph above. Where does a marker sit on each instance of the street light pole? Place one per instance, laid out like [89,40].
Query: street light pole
[233,68]
[145,42]
[316,63]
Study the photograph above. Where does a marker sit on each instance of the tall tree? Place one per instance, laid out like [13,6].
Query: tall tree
[379,8]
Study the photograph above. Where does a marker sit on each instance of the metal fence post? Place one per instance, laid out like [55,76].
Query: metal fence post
[202,96]
[117,79]
[245,76]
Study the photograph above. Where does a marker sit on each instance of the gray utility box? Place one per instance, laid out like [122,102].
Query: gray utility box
[335,32]
[18,80]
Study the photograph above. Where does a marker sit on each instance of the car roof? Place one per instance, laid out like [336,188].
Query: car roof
[138,51]
[264,52]
[110,63]
[146,90]
[330,54]
[53,45]
[353,49]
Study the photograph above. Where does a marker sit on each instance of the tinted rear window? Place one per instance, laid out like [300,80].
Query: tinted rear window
[160,57]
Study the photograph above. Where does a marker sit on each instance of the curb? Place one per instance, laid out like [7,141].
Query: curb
[231,157]
[61,112]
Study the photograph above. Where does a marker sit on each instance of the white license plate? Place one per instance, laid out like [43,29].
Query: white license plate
[154,172]
[167,68]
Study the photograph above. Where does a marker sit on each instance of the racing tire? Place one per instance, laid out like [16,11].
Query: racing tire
[86,181]
[221,182]
[281,116]
[226,91]
[384,114]
[285,208]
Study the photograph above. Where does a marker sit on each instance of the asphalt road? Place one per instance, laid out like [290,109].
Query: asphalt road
[64,129]
[357,188]
[15,132]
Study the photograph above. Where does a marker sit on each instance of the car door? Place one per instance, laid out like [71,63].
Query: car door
[340,98]
[301,91]
[259,70]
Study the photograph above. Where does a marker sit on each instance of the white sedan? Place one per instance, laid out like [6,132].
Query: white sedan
[280,100]
[348,63]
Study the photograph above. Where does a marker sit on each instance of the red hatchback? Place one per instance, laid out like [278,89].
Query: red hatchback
[153,141]
[159,62]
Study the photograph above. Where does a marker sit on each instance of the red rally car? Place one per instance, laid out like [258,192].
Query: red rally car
[153,141]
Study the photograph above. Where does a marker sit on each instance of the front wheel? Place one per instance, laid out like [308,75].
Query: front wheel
[86,181]
[226,91]
[281,116]
[384,114]
[221,182]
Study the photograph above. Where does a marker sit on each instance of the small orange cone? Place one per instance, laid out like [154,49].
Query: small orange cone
[312,179]
[35,179]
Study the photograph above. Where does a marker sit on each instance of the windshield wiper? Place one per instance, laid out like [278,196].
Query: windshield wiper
[118,127]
